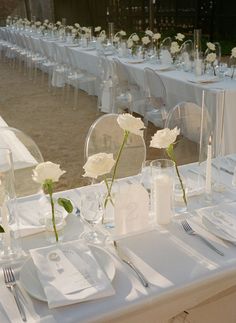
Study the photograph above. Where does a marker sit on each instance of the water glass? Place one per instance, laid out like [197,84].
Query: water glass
[91,212]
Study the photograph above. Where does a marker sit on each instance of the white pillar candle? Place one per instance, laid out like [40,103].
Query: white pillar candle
[163,190]
[208,168]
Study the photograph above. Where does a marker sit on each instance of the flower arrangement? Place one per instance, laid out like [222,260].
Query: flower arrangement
[103,163]
[97,30]
[210,56]
[166,138]
[132,43]
[46,174]
[156,40]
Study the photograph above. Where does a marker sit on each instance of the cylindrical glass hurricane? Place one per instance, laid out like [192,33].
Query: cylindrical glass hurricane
[162,189]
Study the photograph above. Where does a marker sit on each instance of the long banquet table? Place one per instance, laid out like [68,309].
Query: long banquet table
[178,84]
[183,273]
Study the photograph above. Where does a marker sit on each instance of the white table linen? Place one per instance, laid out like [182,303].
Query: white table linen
[182,271]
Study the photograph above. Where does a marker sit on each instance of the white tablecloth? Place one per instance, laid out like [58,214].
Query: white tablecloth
[183,272]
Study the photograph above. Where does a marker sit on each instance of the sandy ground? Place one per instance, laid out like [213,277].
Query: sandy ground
[58,130]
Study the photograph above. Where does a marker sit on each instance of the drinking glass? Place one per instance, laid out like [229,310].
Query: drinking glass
[91,212]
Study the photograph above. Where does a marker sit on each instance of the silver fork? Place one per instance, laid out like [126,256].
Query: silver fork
[10,282]
[190,231]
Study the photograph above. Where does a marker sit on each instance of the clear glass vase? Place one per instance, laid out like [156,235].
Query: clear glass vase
[10,243]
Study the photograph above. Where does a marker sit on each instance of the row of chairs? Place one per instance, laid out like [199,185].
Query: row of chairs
[104,135]
[116,89]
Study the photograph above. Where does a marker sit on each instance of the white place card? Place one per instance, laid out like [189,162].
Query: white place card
[131,209]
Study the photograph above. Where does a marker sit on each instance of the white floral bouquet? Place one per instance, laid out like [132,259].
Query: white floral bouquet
[210,56]
[132,43]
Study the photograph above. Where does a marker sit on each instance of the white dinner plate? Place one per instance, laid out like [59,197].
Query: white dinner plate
[135,61]
[88,49]
[217,230]
[204,80]
[30,282]
[164,68]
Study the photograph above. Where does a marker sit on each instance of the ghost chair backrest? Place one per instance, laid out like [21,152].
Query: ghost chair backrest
[105,135]
[26,156]
[194,130]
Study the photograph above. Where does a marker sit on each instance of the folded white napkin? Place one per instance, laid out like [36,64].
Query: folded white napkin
[223,221]
[69,273]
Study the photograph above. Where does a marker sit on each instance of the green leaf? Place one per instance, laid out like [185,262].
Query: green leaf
[1,229]
[66,204]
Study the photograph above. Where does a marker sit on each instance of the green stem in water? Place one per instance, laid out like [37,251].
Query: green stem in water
[170,153]
[126,135]
[49,186]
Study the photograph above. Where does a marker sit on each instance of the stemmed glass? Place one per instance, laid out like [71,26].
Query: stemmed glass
[91,212]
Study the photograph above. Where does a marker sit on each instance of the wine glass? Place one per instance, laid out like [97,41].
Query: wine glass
[91,212]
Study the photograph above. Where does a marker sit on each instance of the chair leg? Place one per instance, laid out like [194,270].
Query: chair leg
[76,94]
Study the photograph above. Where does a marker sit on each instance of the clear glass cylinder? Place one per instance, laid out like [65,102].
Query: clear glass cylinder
[10,246]
[163,189]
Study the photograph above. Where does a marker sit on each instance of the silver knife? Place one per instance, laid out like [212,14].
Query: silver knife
[127,261]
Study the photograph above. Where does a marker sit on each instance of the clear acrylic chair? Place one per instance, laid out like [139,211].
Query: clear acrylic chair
[105,101]
[77,76]
[186,55]
[105,135]
[195,130]
[26,155]
[155,108]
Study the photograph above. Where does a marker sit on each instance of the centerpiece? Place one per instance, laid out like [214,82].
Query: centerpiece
[102,164]
[46,174]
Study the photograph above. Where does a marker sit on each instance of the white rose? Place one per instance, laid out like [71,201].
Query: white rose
[122,33]
[116,39]
[135,38]
[77,25]
[46,21]
[145,40]
[211,57]
[165,137]
[55,28]
[174,48]
[233,52]
[211,46]
[149,33]
[97,29]
[38,23]
[98,164]
[129,123]
[130,43]
[74,31]
[179,37]
[157,36]
[58,23]
[47,171]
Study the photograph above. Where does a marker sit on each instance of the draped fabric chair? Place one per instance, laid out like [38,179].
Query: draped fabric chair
[155,109]
[26,155]
[105,135]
